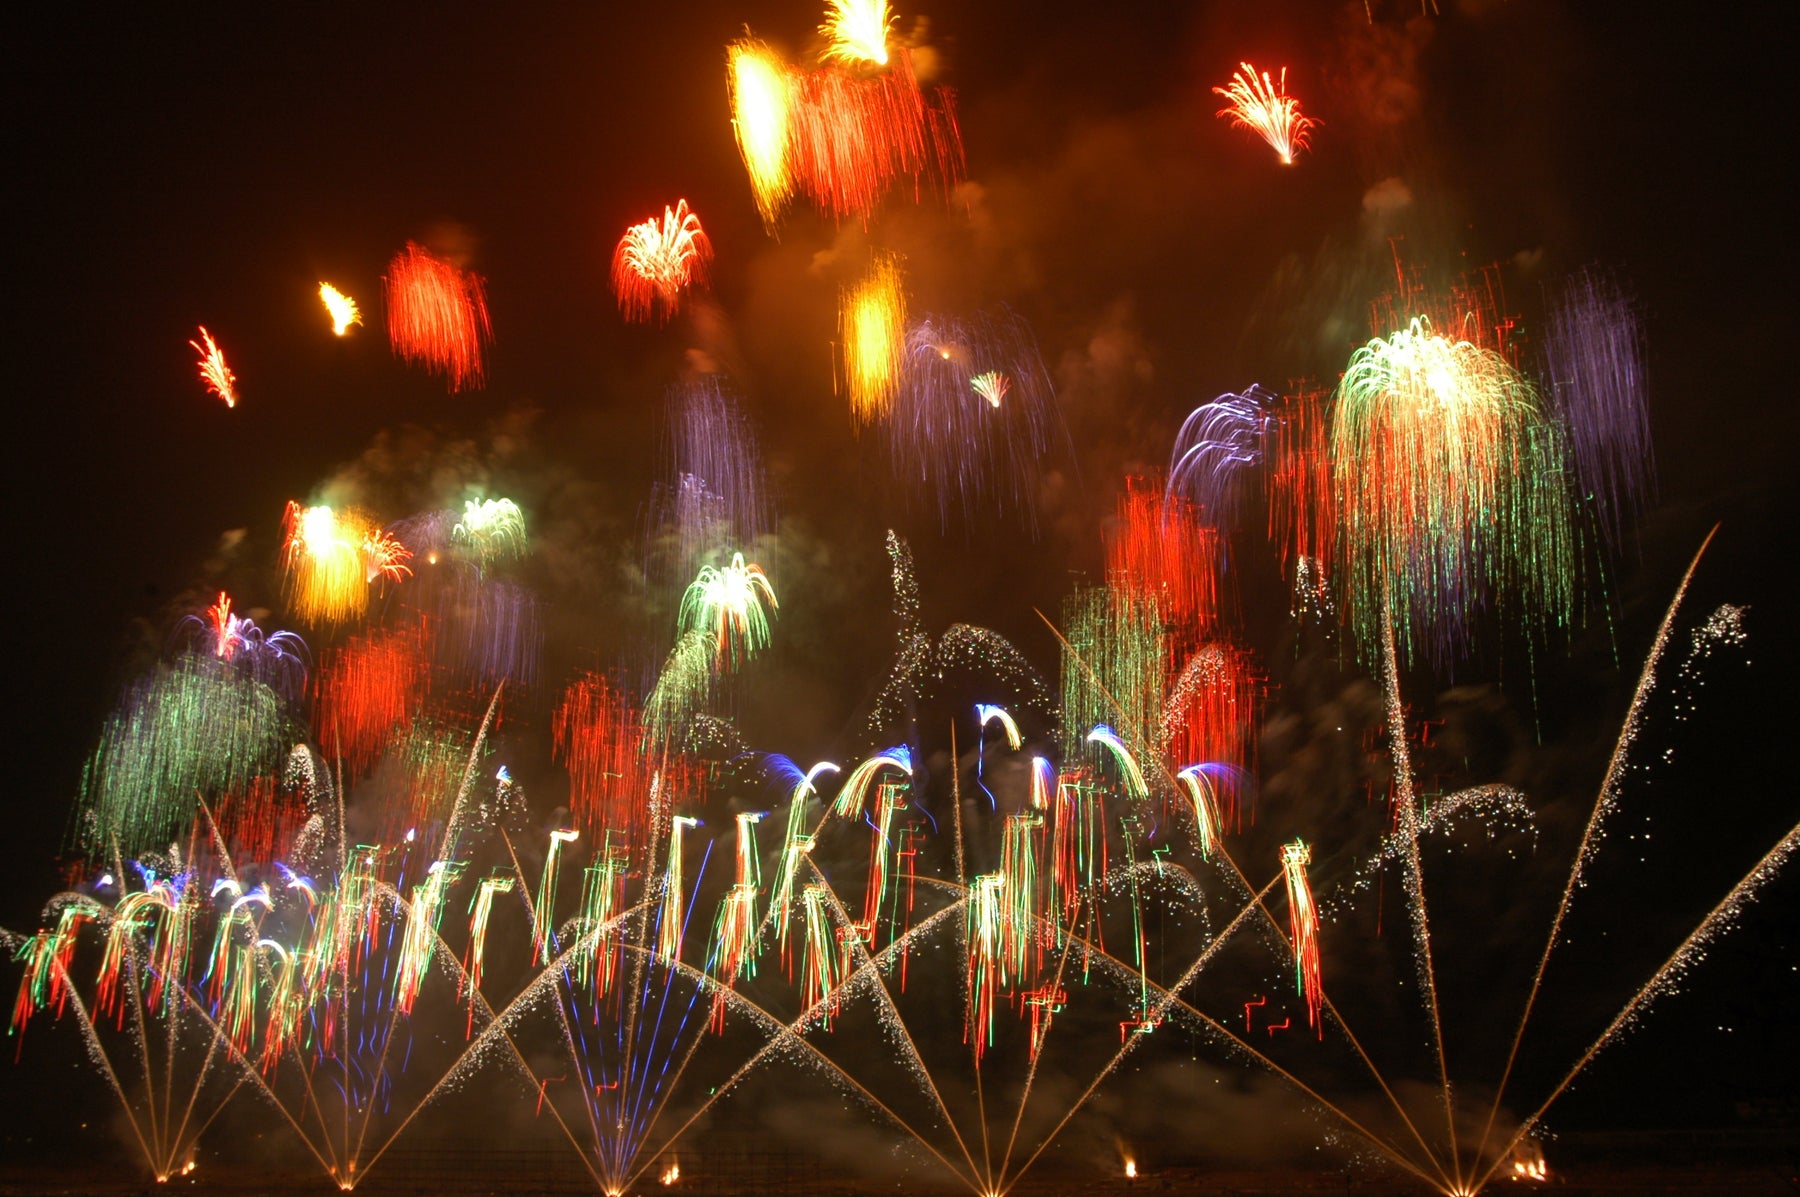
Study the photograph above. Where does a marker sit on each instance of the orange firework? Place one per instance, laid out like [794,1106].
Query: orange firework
[437,315]
[761,98]
[342,308]
[872,327]
[1266,108]
[213,371]
[856,32]
[656,259]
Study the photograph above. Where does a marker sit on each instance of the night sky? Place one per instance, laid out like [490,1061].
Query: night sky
[170,168]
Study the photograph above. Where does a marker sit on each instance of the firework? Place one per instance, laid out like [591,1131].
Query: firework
[717,495]
[369,686]
[277,659]
[595,733]
[852,796]
[489,531]
[983,922]
[213,371]
[1209,714]
[1301,517]
[341,307]
[188,730]
[735,928]
[952,439]
[988,713]
[325,576]
[854,132]
[420,939]
[1107,738]
[1115,662]
[856,32]
[385,556]
[437,316]
[1265,108]
[681,687]
[1204,797]
[1217,443]
[871,332]
[1468,307]
[728,604]
[1451,490]
[1594,356]
[656,260]
[602,902]
[821,971]
[760,102]
[481,909]
[1303,925]
[543,928]
[671,921]
[1159,553]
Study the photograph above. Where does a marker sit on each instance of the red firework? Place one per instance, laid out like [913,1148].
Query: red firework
[1300,505]
[437,315]
[367,689]
[258,822]
[1159,549]
[1472,308]
[1209,716]
[656,260]
[852,134]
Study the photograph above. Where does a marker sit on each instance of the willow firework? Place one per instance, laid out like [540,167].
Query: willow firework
[438,316]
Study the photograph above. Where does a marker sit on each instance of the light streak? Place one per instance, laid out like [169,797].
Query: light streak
[1265,108]
[213,371]
[341,307]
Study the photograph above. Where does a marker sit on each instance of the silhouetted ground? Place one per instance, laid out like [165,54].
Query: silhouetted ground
[1675,1163]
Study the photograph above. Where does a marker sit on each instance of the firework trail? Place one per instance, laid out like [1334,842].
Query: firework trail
[1265,108]
[656,260]
[213,371]
[672,921]
[1302,520]
[367,687]
[341,308]
[1204,797]
[595,734]
[761,98]
[735,928]
[437,316]
[1107,738]
[1303,925]
[543,931]
[1115,667]
[481,909]
[1594,356]
[872,338]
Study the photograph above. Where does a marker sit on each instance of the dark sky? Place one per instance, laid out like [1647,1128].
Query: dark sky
[171,168]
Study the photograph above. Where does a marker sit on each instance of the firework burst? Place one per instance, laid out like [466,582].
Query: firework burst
[872,336]
[341,308]
[656,260]
[438,316]
[213,371]
[1264,107]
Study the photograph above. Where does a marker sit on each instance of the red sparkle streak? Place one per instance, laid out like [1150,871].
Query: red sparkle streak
[213,371]
[437,315]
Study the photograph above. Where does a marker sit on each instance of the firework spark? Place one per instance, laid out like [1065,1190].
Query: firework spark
[342,308]
[1265,108]
[729,603]
[213,371]
[438,316]
[1303,925]
[656,260]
